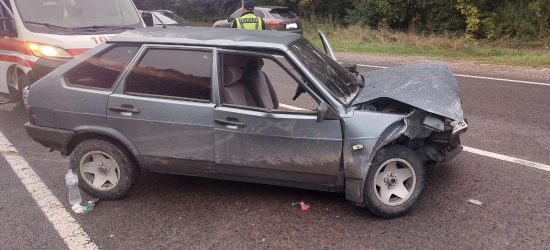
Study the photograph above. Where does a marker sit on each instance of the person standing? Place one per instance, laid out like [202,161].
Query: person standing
[248,20]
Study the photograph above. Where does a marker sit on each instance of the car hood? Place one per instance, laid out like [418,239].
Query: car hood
[428,86]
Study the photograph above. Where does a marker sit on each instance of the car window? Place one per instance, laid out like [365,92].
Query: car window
[282,13]
[4,14]
[261,86]
[259,13]
[8,4]
[172,73]
[101,72]
[237,13]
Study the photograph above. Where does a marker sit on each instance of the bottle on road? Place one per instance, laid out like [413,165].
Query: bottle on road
[74,193]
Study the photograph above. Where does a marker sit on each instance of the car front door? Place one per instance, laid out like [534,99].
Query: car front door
[276,146]
[163,105]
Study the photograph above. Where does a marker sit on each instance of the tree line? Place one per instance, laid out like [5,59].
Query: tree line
[481,19]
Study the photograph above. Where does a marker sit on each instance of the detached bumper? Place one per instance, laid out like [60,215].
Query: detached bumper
[55,139]
[42,67]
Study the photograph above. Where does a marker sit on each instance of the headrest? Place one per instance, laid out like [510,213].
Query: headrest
[254,64]
[230,59]
[231,74]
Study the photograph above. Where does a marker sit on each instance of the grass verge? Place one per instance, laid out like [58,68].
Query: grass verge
[445,46]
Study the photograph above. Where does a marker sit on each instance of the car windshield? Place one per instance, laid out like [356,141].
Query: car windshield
[168,18]
[340,82]
[42,15]
[282,13]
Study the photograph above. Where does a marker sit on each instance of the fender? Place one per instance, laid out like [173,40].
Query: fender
[107,132]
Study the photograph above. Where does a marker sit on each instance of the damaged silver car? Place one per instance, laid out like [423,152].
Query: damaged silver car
[202,102]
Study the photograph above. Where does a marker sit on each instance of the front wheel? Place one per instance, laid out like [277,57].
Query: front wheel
[395,182]
[24,87]
[104,170]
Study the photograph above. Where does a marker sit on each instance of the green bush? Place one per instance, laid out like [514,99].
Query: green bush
[481,19]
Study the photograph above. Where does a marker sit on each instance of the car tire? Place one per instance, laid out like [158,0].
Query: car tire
[24,87]
[395,182]
[104,170]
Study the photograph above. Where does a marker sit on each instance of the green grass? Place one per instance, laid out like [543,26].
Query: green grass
[446,46]
[443,46]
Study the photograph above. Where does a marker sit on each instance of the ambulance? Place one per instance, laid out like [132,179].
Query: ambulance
[37,36]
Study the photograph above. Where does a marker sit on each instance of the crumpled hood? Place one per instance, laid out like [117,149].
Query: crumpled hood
[428,86]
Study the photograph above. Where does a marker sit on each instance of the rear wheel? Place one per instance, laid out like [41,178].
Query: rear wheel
[104,170]
[395,182]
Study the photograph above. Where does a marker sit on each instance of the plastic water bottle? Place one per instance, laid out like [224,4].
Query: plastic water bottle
[74,193]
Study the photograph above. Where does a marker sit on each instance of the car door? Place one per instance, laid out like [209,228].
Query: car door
[282,147]
[163,106]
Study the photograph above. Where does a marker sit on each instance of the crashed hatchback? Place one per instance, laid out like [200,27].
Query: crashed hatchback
[254,106]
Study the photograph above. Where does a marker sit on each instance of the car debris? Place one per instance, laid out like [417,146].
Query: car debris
[475,202]
[84,207]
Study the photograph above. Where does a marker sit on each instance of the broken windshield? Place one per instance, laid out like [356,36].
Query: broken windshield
[41,15]
[328,72]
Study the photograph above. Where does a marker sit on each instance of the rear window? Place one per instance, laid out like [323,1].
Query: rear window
[101,71]
[172,73]
[282,13]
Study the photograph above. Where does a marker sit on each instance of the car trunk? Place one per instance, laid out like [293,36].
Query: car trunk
[289,21]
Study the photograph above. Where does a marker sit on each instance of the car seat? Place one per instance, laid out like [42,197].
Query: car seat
[235,92]
[259,84]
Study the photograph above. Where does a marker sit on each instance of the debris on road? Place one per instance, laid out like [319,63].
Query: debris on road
[304,206]
[8,106]
[476,202]
[84,207]
[77,208]
[4,100]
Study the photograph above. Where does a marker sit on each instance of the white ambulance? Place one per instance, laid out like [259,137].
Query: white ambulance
[37,36]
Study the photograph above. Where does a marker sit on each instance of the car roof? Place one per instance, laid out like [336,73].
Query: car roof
[202,36]
[270,7]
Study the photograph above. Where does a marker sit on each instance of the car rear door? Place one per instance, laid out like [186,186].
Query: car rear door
[163,105]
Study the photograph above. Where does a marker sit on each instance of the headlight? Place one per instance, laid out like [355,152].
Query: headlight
[40,50]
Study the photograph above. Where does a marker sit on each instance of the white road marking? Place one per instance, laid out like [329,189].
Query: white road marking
[291,107]
[372,66]
[477,77]
[478,151]
[508,159]
[67,227]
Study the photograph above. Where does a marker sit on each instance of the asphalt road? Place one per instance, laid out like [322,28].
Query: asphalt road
[178,212]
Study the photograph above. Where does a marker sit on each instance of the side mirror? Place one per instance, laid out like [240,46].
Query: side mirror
[147,18]
[324,111]
[11,30]
[230,19]
[351,67]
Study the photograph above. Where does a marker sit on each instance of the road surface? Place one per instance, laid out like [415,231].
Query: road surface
[509,118]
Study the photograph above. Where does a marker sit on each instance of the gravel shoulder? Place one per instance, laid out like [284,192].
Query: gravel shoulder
[457,66]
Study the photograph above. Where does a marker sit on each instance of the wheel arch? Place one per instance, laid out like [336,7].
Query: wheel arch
[119,141]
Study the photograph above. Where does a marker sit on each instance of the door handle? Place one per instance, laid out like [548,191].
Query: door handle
[125,108]
[230,123]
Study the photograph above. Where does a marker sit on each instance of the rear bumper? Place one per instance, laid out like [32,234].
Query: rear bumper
[42,67]
[55,139]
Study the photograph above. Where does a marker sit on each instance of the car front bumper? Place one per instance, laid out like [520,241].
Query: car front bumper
[53,138]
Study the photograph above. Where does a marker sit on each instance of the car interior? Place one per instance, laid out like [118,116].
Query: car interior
[245,83]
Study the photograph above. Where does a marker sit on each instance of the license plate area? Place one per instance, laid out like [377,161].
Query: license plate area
[291,26]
